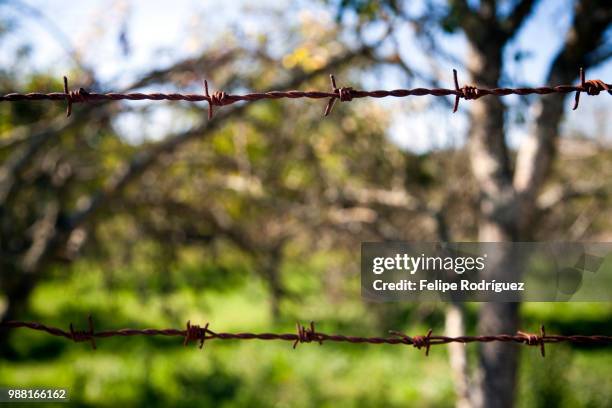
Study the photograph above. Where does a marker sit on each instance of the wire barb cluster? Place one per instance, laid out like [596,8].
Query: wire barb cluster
[82,335]
[310,334]
[591,87]
[343,94]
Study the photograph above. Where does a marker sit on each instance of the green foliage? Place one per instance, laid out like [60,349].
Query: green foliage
[366,9]
[566,379]
[160,371]
[451,21]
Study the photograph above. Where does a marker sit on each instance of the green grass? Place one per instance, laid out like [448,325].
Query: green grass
[159,371]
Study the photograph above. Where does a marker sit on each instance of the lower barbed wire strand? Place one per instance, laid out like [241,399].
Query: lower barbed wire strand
[307,335]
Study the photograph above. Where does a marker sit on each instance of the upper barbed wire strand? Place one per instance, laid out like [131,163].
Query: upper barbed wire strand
[220,98]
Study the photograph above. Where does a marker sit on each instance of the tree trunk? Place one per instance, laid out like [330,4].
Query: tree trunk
[491,168]
[455,327]
[271,271]
[17,293]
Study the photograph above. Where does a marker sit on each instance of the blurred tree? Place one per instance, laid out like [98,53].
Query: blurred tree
[272,180]
[507,194]
[60,175]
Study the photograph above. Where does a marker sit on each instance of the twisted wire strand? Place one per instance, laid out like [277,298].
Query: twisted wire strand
[343,94]
[310,334]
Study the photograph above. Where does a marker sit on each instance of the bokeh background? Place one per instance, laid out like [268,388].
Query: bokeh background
[146,214]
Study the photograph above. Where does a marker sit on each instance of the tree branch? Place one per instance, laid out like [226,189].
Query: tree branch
[516,18]
[563,193]
[145,159]
[591,20]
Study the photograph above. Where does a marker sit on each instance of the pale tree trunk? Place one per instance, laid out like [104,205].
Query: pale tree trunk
[455,327]
[507,200]
[487,35]
[490,165]
[454,324]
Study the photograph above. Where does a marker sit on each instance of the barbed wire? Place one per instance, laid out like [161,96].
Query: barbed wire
[343,94]
[307,335]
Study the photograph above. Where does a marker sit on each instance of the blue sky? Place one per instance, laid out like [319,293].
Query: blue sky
[162,31]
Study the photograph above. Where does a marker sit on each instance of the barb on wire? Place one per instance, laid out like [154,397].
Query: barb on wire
[310,334]
[416,341]
[83,335]
[343,94]
[535,340]
[466,92]
[195,332]
[73,96]
[591,87]
[218,98]
[306,335]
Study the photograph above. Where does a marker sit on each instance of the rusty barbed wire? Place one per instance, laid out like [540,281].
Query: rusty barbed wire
[343,94]
[309,334]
